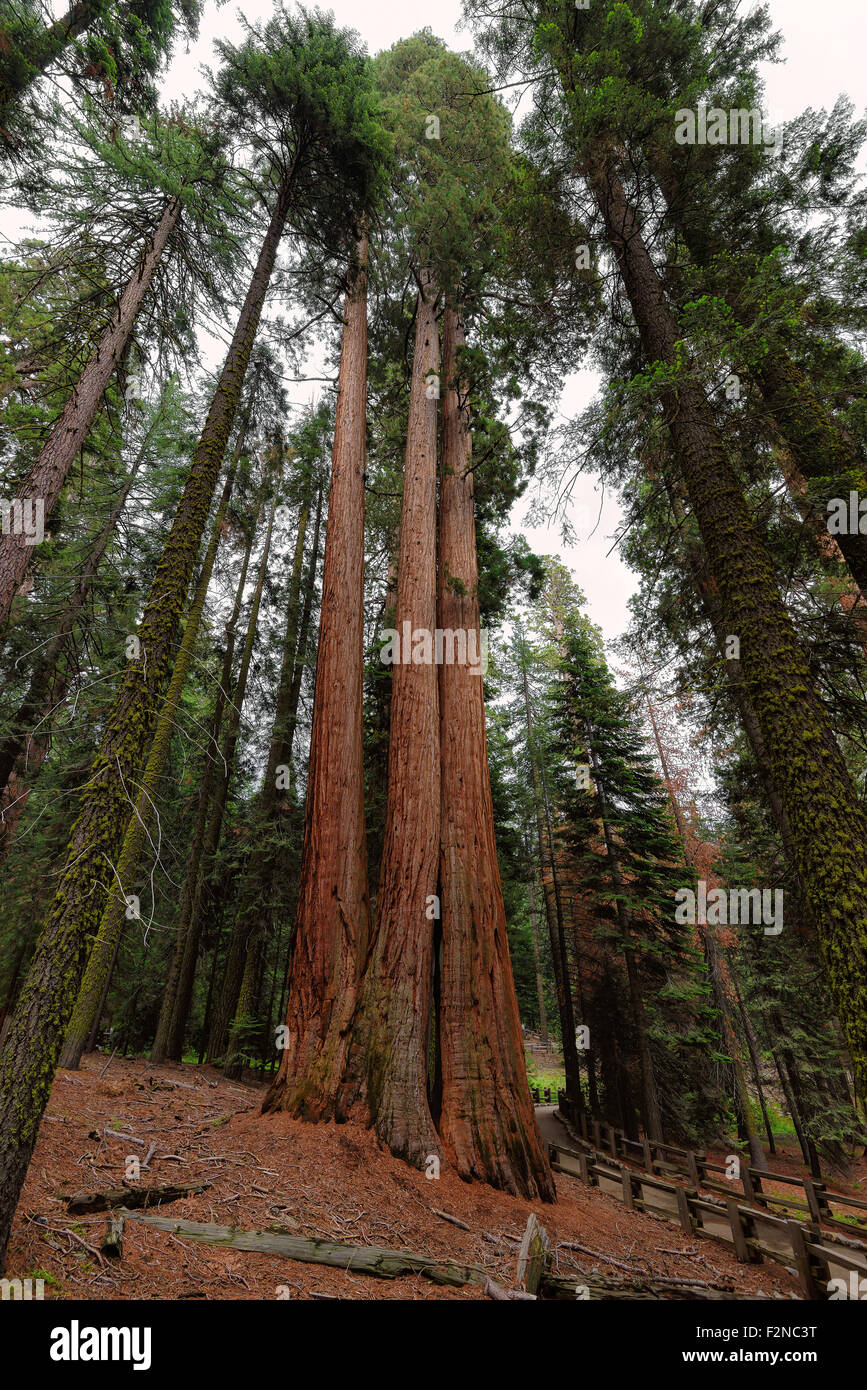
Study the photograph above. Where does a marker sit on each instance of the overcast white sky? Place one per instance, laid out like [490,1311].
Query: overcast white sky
[824,50]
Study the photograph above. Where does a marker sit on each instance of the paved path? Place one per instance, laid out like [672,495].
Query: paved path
[550,1128]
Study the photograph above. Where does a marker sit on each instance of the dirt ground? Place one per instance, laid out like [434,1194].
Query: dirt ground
[327,1180]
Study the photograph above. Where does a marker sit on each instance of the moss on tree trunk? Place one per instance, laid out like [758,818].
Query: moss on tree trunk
[50,990]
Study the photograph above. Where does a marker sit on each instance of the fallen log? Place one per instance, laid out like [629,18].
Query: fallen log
[361,1259]
[82,1203]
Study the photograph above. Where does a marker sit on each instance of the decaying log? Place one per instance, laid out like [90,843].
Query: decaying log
[82,1203]
[361,1259]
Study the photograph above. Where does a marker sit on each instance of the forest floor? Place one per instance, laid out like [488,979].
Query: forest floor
[332,1181]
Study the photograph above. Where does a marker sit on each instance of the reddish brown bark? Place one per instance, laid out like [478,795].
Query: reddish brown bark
[487,1123]
[333,919]
[388,1068]
[51,469]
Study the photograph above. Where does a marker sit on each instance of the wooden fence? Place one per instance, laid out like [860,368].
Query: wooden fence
[545,1095]
[756,1235]
[817,1203]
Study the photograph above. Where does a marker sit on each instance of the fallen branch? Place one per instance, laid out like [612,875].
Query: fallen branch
[598,1255]
[506,1295]
[363,1259]
[596,1286]
[444,1216]
[119,1134]
[107,1065]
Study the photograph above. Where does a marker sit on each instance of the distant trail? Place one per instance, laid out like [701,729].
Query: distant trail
[550,1128]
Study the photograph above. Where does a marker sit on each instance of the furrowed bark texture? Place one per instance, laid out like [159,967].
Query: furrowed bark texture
[48,996]
[333,917]
[51,469]
[487,1122]
[829,829]
[389,1065]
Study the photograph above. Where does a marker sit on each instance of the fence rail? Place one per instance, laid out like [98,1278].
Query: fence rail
[756,1235]
[545,1095]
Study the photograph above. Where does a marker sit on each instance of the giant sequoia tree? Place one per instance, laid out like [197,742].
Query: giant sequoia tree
[332,927]
[449,178]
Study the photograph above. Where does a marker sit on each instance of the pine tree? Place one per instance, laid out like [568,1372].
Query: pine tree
[117,46]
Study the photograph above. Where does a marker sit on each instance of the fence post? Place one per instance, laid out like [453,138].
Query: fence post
[817,1203]
[612,1140]
[648,1158]
[803,1262]
[741,1248]
[747,1182]
[626,1182]
[684,1212]
[692,1167]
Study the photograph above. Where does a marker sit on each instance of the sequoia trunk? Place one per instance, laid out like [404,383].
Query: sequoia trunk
[388,1067]
[333,917]
[487,1122]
